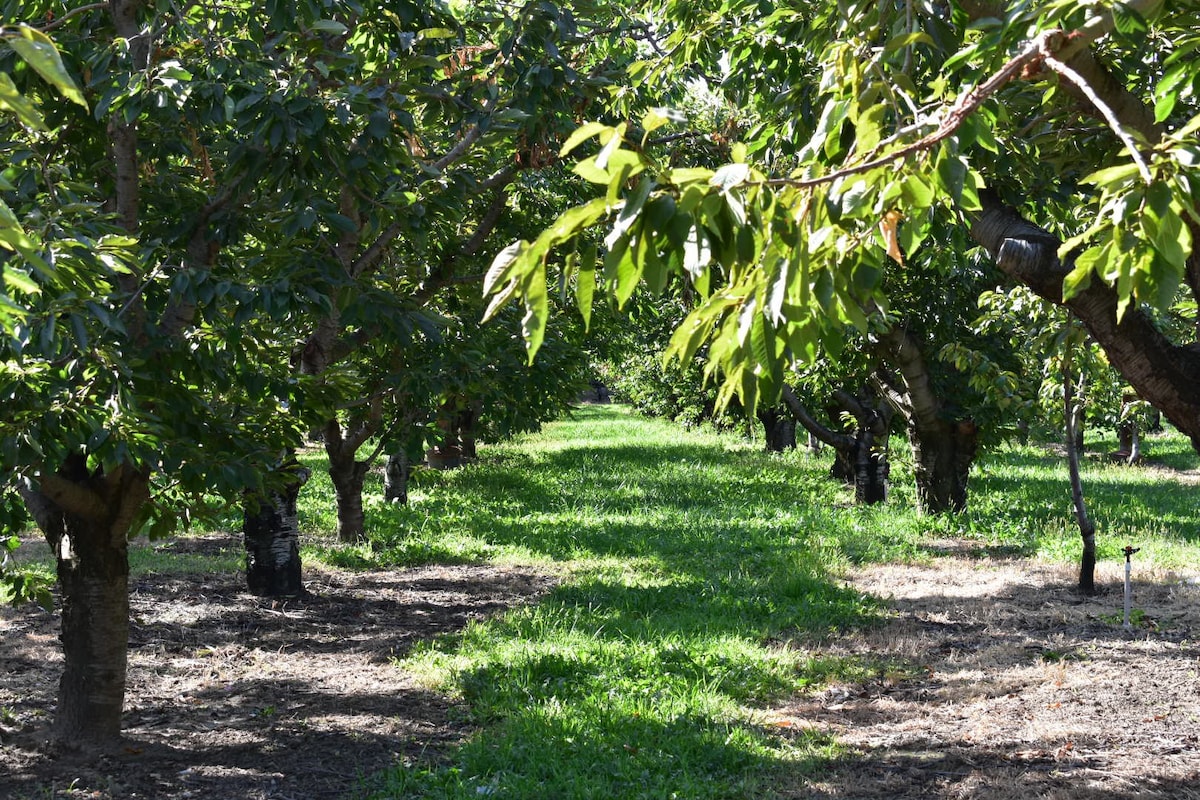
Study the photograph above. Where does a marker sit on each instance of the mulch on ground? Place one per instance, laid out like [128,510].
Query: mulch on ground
[233,696]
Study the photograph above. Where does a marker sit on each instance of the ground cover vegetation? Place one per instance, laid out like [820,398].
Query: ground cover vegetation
[697,612]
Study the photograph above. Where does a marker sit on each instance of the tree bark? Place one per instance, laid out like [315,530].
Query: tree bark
[1164,374]
[86,518]
[1087,528]
[779,430]
[348,475]
[271,533]
[859,458]
[944,447]
[395,478]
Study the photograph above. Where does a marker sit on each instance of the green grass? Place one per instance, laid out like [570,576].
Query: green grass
[700,582]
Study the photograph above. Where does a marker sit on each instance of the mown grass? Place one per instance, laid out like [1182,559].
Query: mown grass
[698,582]
[699,579]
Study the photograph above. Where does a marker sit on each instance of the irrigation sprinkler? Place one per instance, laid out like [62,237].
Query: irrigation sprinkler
[1129,551]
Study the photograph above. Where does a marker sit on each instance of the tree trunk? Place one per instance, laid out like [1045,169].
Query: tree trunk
[1164,374]
[395,478]
[859,459]
[1087,528]
[467,423]
[943,447]
[86,518]
[348,475]
[271,533]
[942,458]
[779,429]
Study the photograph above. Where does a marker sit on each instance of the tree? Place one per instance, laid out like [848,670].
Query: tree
[921,108]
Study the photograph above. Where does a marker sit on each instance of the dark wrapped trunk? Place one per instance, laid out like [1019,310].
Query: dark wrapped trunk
[271,532]
[779,429]
[860,459]
[395,478]
[1087,528]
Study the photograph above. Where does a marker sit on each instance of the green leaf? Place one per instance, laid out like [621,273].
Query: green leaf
[12,100]
[502,264]
[1113,176]
[581,134]
[40,53]
[729,176]
[537,311]
[330,26]
[1080,277]
[585,283]
[907,40]
[697,253]
[655,118]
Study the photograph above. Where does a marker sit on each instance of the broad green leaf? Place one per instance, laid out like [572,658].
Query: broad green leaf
[907,40]
[1080,277]
[585,283]
[697,254]
[12,100]
[657,117]
[580,135]
[40,53]
[590,172]
[537,311]
[502,264]
[575,220]
[330,26]
[729,176]
[1113,176]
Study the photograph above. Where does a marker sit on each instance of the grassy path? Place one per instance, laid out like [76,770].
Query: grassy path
[699,578]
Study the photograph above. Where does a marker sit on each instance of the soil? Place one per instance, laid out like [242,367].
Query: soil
[234,696]
[996,680]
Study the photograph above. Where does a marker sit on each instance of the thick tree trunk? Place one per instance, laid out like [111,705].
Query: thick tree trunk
[348,476]
[859,459]
[1164,374]
[271,532]
[779,429]
[944,448]
[86,518]
[942,458]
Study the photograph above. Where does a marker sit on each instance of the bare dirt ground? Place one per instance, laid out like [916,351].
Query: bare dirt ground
[231,697]
[1005,684]
[1024,688]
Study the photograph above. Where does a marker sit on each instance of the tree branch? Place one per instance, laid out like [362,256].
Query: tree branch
[841,441]
[1163,373]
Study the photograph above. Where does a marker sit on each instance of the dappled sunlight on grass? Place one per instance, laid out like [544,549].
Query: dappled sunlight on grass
[699,579]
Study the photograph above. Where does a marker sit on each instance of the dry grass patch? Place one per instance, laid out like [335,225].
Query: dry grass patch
[1023,687]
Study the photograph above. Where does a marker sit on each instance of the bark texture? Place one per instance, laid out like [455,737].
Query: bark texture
[944,446]
[271,532]
[1164,374]
[779,429]
[1087,528]
[395,478]
[861,458]
[86,518]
